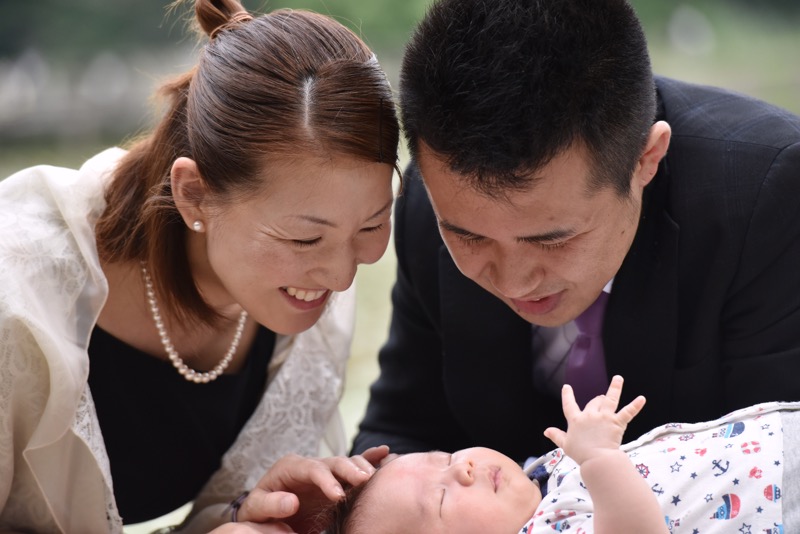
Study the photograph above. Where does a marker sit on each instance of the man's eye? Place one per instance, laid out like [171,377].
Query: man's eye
[469,239]
[552,246]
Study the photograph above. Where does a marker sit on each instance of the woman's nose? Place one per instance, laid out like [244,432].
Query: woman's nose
[339,270]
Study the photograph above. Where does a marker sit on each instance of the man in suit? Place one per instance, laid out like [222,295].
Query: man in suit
[550,168]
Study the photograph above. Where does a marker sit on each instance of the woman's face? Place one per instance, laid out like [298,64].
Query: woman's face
[282,252]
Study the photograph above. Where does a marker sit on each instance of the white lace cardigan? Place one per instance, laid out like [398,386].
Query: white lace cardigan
[54,469]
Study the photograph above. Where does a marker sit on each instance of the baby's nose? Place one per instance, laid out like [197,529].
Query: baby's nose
[463,472]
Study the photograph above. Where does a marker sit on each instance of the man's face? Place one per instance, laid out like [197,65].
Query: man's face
[547,251]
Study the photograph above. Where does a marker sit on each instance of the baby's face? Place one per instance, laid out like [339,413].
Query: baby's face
[475,490]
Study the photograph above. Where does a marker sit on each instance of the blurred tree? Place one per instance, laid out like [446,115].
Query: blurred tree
[383,24]
[66,65]
[68,30]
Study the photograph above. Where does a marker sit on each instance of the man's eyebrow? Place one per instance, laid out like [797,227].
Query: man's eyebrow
[547,237]
[456,229]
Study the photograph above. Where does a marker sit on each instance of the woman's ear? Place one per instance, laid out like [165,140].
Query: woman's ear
[188,190]
[654,152]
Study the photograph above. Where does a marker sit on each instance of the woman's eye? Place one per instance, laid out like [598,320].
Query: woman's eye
[372,229]
[306,242]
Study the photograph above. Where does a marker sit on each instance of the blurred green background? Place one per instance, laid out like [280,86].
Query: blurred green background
[76,75]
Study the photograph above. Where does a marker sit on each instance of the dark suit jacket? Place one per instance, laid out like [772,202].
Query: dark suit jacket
[704,315]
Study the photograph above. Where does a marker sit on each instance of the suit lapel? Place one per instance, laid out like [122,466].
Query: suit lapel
[640,329]
[487,361]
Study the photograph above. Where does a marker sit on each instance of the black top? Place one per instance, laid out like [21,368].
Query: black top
[165,436]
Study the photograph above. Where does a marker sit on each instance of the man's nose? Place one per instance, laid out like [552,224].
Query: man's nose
[514,275]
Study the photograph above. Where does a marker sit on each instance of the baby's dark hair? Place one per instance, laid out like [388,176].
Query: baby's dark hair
[343,516]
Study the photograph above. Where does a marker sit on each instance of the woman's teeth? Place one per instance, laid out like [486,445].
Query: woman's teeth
[305,294]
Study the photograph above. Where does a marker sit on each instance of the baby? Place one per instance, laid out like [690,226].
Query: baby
[723,476]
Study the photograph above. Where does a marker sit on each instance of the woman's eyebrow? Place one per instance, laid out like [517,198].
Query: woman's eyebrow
[326,222]
[381,211]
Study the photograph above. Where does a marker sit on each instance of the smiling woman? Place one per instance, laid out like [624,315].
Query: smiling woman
[314,222]
[197,287]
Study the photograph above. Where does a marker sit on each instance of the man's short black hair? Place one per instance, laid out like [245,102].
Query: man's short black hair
[500,87]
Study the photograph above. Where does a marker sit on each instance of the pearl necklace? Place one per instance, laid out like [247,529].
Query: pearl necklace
[189,374]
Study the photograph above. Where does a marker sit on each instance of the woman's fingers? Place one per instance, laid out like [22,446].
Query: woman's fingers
[294,478]
[261,505]
[363,464]
[253,528]
[328,474]
[375,455]
[389,458]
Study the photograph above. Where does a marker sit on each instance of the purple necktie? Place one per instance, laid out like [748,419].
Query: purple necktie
[586,363]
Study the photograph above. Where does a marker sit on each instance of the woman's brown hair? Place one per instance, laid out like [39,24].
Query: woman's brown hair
[283,84]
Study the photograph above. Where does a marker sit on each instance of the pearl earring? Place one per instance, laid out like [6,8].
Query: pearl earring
[197,226]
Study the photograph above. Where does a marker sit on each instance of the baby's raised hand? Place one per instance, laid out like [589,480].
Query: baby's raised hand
[596,429]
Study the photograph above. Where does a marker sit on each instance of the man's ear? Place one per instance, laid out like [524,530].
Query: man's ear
[188,189]
[654,152]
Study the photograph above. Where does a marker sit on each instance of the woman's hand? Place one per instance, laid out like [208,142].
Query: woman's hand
[296,488]
[253,528]
[596,429]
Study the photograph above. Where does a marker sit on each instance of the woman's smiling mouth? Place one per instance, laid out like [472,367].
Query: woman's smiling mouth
[306,295]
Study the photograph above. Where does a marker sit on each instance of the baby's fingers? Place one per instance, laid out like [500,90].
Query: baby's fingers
[630,411]
[568,403]
[556,435]
[614,392]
